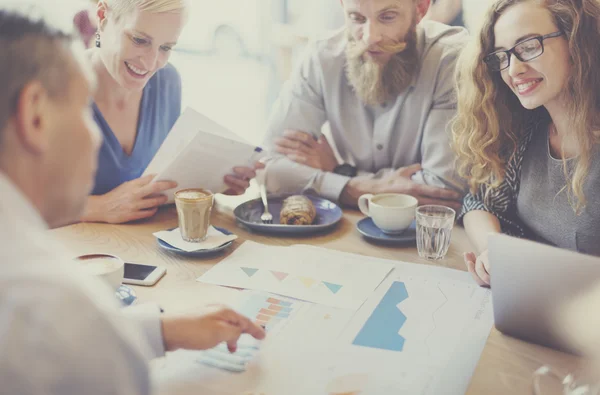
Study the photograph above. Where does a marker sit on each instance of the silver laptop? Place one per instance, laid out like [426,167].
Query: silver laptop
[530,284]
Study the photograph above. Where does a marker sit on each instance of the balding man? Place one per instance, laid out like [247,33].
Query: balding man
[385,84]
[62,332]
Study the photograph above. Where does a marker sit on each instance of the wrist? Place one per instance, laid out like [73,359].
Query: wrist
[92,213]
[354,189]
[330,167]
[169,333]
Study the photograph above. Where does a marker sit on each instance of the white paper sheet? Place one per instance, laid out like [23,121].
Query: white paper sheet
[316,351]
[214,239]
[198,153]
[304,272]
[442,326]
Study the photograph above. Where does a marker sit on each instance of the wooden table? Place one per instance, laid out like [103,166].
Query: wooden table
[506,364]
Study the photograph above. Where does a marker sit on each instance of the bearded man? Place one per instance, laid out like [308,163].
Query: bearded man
[385,85]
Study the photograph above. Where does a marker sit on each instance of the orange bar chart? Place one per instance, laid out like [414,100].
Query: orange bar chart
[267,311]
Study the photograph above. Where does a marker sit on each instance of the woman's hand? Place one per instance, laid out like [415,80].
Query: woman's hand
[130,201]
[479,267]
[239,181]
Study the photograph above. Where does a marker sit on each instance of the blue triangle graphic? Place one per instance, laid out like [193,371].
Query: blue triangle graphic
[333,287]
[250,272]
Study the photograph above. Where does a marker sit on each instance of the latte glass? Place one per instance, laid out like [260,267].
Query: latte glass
[194,207]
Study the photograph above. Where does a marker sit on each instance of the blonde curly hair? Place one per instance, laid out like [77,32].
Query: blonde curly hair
[490,120]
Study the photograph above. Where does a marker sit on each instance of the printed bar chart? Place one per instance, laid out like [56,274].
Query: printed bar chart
[267,311]
[279,302]
[264,310]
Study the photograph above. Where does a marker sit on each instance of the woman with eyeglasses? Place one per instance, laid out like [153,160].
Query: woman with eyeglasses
[137,101]
[527,131]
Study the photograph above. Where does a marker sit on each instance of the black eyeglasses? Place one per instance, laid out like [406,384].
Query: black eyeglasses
[525,51]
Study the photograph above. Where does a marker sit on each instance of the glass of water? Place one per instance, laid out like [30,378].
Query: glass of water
[434,229]
[547,381]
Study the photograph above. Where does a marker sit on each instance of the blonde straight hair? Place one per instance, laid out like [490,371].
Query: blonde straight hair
[122,7]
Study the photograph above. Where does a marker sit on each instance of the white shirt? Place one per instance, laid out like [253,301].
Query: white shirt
[409,129]
[61,331]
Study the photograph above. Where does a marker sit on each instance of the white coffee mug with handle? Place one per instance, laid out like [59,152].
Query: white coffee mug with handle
[109,268]
[391,212]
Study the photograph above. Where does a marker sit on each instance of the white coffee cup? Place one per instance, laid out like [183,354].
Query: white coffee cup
[391,212]
[109,268]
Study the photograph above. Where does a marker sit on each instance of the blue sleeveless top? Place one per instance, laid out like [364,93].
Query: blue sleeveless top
[159,109]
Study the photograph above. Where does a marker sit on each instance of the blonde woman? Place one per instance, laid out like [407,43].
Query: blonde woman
[527,129]
[137,102]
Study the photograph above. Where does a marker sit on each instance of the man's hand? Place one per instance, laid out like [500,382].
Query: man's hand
[479,267]
[239,180]
[207,331]
[303,148]
[130,201]
[399,181]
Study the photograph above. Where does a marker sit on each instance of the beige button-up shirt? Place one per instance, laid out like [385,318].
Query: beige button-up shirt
[413,128]
[61,331]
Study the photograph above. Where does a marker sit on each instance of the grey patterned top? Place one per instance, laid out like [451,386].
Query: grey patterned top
[531,201]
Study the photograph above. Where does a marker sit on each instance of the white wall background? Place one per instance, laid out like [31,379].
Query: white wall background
[59,12]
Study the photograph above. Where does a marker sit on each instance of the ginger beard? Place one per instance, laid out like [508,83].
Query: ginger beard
[376,83]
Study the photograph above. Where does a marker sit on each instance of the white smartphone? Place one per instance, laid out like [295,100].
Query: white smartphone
[146,275]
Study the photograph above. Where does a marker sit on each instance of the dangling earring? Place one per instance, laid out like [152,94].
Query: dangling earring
[97,39]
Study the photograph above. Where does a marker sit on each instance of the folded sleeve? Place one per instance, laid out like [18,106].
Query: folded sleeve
[499,202]
[147,316]
[300,106]
[287,177]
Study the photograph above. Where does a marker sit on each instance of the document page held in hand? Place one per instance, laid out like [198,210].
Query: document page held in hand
[198,153]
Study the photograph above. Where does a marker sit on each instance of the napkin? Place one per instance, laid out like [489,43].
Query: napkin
[213,240]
